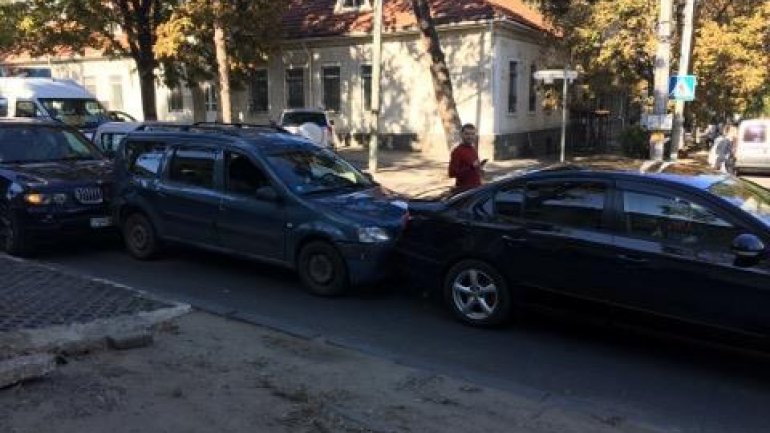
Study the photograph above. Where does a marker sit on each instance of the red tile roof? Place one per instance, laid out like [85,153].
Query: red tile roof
[316,18]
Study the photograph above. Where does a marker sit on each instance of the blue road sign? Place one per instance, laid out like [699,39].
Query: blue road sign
[682,87]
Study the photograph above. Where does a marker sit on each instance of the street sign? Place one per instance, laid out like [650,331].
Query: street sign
[658,122]
[682,87]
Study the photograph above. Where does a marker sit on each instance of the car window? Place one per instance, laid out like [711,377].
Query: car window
[310,170]
[110,140]
[26,109]
[755,134]
[3,107]
[144,158]
[569,204]
[675,220]
[297,118]
[242,176]
[24,144]
[748,196]
[193,166]
[509,202]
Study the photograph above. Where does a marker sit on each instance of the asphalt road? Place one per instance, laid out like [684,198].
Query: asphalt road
[613,372]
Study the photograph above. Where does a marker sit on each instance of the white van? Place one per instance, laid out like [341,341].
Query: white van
[62,100]
[752,150]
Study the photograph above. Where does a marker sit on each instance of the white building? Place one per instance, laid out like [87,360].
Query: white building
[491,47]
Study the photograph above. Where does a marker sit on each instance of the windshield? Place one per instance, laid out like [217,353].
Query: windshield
[78,113]
[297,118]
[22,144]
[316,170]
[746,195]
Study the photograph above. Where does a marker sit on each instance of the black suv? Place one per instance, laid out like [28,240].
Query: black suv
[259,192]
[53,181]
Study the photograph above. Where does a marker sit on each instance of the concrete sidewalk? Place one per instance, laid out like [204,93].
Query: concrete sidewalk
[413,174]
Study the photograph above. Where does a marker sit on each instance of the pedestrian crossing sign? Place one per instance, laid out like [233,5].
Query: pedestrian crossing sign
[682,87]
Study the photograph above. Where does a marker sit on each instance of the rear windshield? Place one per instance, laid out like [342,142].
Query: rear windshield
[755,134]
[24,144]
[297,118]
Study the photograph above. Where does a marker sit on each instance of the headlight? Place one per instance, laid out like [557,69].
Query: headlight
[37,199]
[41,199]
[371,235]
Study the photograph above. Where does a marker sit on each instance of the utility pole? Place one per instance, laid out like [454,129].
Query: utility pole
[677,135]
[662,67]
[374,140]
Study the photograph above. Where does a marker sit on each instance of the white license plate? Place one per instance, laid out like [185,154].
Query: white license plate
[101,222]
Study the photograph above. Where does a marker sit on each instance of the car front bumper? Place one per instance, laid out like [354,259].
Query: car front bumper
[367,263]
[44,223]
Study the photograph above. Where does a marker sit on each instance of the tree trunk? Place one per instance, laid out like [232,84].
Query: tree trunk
[224,72]
[147,86]
[442,82]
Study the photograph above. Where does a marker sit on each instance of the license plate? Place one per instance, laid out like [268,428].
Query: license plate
[101,222]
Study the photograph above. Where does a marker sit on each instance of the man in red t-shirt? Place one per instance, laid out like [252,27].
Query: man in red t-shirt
[464,164]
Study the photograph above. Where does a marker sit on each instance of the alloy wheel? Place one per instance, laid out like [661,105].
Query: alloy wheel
[475,294]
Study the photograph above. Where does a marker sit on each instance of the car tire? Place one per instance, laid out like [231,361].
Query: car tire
[14,239]
[477,294]
[322,269]
[140,237]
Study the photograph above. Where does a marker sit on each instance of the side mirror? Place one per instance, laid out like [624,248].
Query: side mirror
[748,246]
[267,193]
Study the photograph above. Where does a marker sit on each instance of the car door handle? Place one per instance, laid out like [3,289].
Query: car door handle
[632,259]
[514,239]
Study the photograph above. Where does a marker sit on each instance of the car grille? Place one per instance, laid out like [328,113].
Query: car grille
[90,195]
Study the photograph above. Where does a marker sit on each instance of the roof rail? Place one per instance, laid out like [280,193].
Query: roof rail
[239,125]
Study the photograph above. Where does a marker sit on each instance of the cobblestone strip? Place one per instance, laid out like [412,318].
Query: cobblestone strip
[34,296]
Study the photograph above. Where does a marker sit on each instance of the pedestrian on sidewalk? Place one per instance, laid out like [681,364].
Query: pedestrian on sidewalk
[464,164]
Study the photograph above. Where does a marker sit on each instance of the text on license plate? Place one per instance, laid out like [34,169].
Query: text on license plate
[101,222]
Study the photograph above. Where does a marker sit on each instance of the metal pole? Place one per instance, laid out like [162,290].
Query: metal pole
[662,66]
[564,114]
[376,73]
[677,135]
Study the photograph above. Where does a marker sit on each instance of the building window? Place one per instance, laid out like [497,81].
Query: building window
[352,5]
[532,88]
[259,102]
[295,88]
[175,101]
[116,92]
[513,82]
[90,84]
[331,83]
[211,97]
[366,86]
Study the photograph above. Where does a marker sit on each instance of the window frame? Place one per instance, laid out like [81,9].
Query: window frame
[341,6]
[513,87]
[170,156]
[252,82]
[692,197]
[117,100]
[175,95]
[366,86]
[338,96]
[286,86]
[226,171]
[608,224]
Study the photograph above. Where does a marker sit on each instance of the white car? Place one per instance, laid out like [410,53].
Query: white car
[312,123]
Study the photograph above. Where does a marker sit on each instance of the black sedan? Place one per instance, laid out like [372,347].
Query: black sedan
[659,238]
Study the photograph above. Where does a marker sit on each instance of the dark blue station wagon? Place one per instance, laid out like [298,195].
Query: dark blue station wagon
[257,192]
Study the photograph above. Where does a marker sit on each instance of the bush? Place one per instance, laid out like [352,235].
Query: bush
[635,142]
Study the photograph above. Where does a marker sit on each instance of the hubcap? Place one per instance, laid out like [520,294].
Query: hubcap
[320,268]
[475,294]
[138,237]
